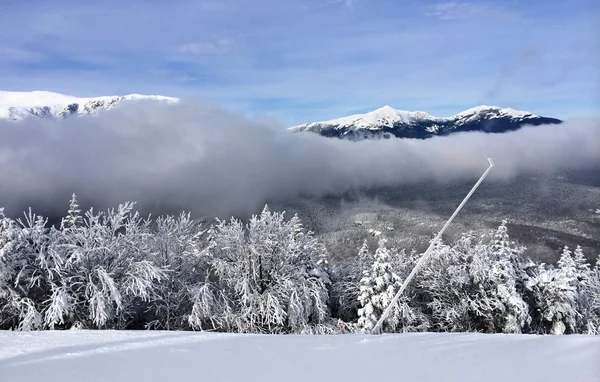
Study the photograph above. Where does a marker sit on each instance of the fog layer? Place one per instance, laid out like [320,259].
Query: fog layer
[197,157]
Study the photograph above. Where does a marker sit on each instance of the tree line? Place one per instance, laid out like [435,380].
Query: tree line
[117,270]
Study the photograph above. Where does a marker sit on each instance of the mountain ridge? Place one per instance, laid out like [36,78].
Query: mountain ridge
[49,105]
[387,122]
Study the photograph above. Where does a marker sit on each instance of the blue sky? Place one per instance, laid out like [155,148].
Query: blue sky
[305,60]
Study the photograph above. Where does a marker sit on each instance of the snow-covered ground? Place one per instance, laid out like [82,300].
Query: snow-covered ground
[191,356]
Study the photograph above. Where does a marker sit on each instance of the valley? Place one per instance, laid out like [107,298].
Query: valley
[544,213]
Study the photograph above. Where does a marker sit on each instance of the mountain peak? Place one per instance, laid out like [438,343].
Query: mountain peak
[386,109]
[387,121]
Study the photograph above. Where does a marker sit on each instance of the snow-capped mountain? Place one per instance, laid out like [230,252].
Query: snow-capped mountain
[387,122]
[42,104]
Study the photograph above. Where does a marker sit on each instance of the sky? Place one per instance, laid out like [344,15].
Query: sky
[306,60]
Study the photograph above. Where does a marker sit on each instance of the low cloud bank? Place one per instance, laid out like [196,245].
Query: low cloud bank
[197,157]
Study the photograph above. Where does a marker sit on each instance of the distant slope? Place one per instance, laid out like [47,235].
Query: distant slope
[387,122]
[47,105]
[72,356]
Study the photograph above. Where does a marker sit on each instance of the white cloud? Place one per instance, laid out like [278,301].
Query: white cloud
[219,46]
[346,3]
[465,10]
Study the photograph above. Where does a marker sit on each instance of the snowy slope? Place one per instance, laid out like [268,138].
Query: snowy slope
[48,105]
[186,356]
[387,121]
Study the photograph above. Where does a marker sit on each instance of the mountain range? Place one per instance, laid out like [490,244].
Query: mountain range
[387,122]
[48,105]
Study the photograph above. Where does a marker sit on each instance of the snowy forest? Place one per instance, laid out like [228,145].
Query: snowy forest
[117,270]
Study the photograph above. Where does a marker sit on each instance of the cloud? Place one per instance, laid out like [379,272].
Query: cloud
[467,10]
[197,157]
[220,46]
[346,3]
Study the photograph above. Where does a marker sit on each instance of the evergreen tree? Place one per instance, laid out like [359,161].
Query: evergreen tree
[73,218]
[502,245]
[377,289]
[581,264]
[555,299]
[346,287]
[566,263]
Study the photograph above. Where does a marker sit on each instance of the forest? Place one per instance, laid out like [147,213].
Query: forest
[115,269]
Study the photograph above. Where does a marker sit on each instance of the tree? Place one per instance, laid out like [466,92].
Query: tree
[73,218]
[555,301]
[264,277]
[501,244]
[581,264]
[176,248]
[346,285]
[592,290]
[377,289]
[566,263]
[108,271]
[473,286]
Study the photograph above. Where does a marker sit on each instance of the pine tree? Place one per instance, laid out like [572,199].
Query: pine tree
[73,218]
[581,264]
[501,240]
[566,263]
[347,275]
[364,255]
[377,289]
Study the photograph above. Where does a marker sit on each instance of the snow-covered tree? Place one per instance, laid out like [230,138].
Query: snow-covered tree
[176,248]
[592,291]
[566,263]
[581,264]
[264,277]
[555,301]
[73,218]
[346,283]
[473,286]
[37,268]
[108,272]
[502,245]
[9,263]
[377,289]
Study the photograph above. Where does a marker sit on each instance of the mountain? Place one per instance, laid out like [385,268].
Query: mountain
[387,122]
[47,105]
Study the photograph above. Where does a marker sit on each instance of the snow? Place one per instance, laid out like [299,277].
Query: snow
[19,105]
[384,116]
[45,98]
[387,116]
[502,111]
[183,356]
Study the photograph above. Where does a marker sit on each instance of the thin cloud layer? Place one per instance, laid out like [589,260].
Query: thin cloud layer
[196,157]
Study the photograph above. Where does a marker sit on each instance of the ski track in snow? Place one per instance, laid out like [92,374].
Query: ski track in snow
[172,356]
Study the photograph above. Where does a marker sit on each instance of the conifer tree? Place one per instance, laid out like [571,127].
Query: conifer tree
[377,289]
